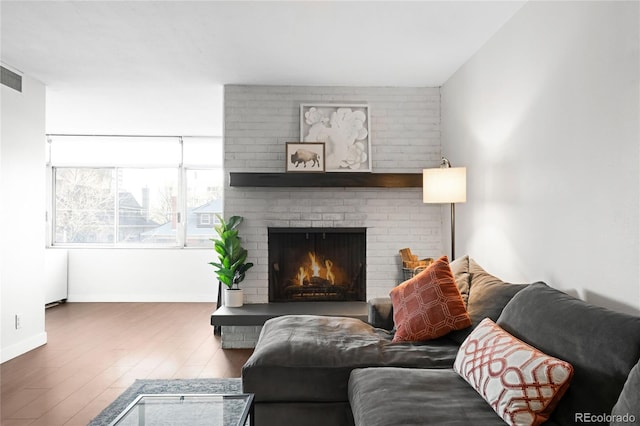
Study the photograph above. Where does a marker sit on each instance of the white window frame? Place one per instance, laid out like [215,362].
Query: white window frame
[181,170]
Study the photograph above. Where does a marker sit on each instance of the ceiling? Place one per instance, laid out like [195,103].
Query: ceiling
[124,46]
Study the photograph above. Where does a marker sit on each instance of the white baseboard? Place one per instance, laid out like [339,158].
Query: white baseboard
[137,298]
[23,346]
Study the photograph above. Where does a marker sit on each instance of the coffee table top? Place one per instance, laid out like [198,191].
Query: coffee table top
[187,410]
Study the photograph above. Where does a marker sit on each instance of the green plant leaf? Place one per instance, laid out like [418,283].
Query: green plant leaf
[219,248]
[230,233]
[234,222]
[244,268]
[239,259]
[223,223]
[225,280]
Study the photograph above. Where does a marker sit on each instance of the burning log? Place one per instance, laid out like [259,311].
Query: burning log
[320,282]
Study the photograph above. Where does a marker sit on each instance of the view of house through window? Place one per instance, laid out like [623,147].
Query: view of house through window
[135,191]
[204,201]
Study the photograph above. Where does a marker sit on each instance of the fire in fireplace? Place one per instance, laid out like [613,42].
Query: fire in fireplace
[317,264]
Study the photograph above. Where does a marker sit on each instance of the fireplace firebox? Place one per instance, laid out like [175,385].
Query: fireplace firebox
[317,264]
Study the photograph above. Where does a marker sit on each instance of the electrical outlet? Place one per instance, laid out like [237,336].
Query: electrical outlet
[18,321]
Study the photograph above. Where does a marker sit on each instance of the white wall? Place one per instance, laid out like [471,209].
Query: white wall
[546,118]
[405,137]
[22,222]
[141,275]
[141,110]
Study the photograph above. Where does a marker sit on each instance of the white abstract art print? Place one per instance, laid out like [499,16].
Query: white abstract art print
[345,131]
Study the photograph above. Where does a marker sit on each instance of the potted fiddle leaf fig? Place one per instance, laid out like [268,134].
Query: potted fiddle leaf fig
[231,265]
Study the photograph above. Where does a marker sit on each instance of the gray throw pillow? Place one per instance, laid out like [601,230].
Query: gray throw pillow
[488,296]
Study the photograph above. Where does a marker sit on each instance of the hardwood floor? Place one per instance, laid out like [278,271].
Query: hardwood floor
[96,350]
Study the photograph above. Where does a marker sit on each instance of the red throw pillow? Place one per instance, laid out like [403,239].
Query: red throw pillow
[522,384]
[428,305]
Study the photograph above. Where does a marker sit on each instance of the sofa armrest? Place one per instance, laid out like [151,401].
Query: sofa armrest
[381,312]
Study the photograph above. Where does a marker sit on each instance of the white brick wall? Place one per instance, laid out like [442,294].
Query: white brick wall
[405,137]
[240,337]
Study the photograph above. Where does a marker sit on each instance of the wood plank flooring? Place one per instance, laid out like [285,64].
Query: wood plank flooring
[96,350]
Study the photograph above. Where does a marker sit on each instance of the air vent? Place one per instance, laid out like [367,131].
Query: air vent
[11,79]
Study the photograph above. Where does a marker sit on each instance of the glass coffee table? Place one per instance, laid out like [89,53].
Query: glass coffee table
[188,410]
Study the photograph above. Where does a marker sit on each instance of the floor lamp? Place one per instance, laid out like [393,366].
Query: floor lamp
[446,185]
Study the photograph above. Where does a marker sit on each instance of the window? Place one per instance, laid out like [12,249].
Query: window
[203,190]
[205,219]
[135,191]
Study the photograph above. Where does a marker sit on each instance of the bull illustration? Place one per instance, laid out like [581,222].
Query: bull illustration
[304,156]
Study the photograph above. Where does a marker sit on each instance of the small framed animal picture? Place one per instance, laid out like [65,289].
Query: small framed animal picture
[305,157]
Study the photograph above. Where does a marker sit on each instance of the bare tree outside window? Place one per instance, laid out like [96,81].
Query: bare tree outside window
[84,205]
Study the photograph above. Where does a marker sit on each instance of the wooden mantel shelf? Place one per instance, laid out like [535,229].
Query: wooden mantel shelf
[347,179]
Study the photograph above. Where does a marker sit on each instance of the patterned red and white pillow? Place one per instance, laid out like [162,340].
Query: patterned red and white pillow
[522,384]
[428,305]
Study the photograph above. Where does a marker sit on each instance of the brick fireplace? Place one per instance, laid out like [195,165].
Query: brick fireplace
[405,138]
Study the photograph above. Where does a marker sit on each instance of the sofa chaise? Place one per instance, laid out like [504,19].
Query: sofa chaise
[311,370]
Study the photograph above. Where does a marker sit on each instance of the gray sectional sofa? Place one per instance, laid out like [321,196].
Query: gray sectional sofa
[309,370]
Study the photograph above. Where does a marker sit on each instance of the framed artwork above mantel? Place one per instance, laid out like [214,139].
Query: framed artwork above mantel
[344,129]
[305,157]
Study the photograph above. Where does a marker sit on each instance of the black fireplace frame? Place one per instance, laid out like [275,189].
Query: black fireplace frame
[356,292]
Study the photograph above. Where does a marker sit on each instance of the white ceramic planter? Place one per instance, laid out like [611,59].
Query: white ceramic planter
[233,298]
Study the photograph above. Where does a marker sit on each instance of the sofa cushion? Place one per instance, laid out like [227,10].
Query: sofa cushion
[601,345]
[488,295]
[410,397]
[460,270]
[308,358]
[522,384]
[294,413]
[428,305]
[627,409]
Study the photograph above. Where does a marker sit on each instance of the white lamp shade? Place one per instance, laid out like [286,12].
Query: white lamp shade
[444,185]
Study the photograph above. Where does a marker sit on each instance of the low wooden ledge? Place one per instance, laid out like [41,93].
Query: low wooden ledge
[257,314]
[333,179]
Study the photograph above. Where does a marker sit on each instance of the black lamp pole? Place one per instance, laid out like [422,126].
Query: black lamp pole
[453,231]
